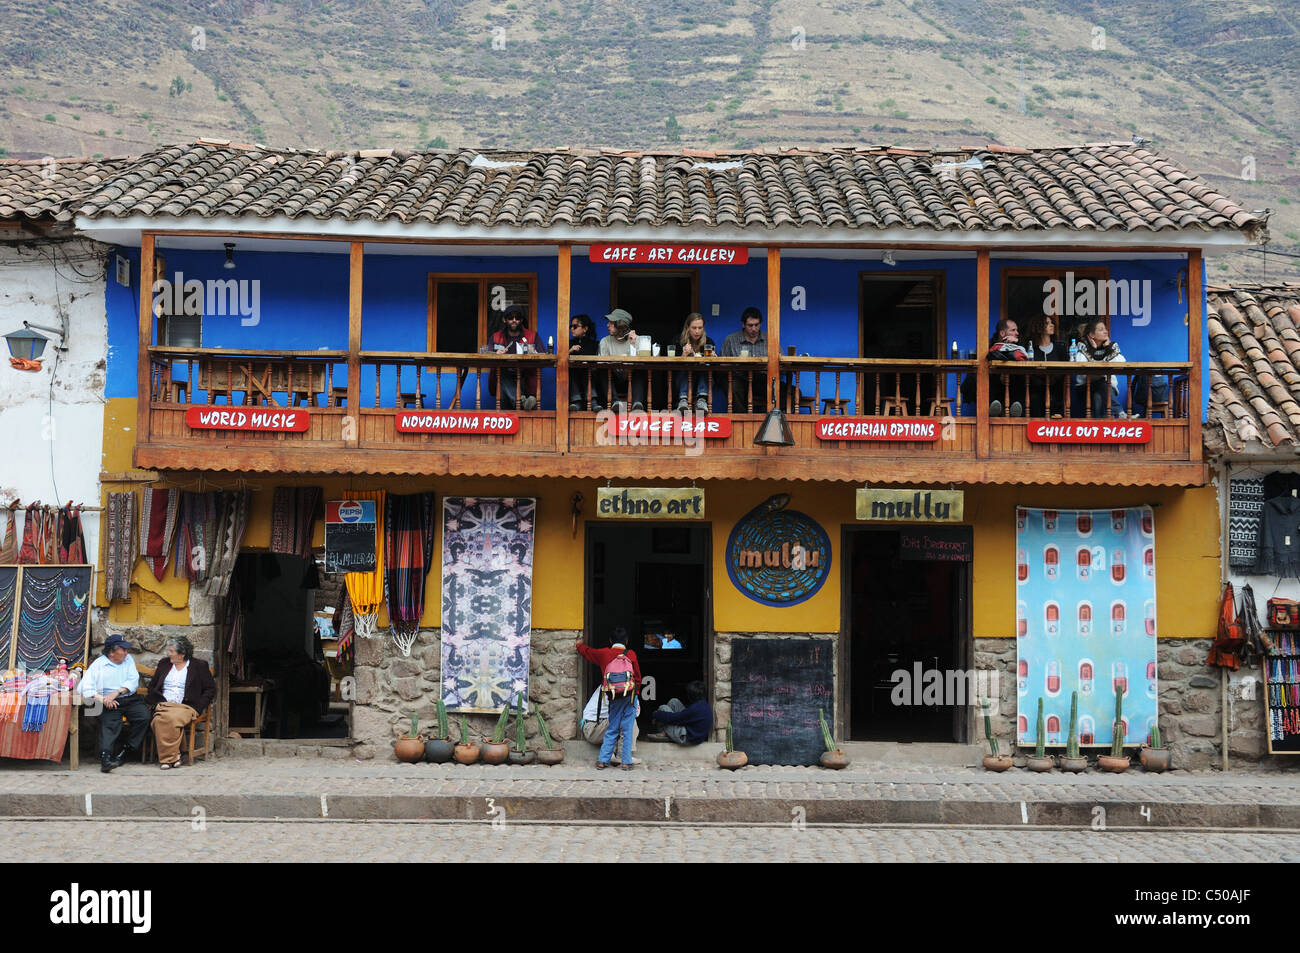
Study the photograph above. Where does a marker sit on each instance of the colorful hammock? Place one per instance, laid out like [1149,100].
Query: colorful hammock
[366,589]
[408,550]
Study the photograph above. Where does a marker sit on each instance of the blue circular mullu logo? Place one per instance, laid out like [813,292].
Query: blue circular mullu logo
[776,556]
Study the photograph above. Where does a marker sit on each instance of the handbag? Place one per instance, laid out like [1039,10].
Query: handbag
[1283,614]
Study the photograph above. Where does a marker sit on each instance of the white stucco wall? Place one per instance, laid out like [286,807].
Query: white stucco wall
[44,282]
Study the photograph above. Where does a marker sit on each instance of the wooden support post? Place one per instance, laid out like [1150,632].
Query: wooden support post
[773,329]
[144,384]
[982,440]
[1195,315]
[356,260]
[563,263]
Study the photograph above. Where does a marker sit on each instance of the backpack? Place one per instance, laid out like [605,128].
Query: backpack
[617,679]
[1229,639]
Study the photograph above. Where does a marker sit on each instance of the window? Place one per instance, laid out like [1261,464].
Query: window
[466,310]
[174,330]
[1080,293]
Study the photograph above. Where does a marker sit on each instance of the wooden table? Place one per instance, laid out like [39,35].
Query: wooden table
[259,694]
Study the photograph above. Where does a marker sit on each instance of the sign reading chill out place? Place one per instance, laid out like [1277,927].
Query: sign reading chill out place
[1087,431]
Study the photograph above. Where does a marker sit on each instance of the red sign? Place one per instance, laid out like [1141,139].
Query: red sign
[670,254]
[1087,431]
[670,425]
[265,419]
[456,421]
[876,428]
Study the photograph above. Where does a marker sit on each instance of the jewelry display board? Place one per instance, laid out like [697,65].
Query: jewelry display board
[1282,692]
[45,615]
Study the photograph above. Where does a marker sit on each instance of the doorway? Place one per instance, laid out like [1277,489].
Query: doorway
[658,301]
[901,318]
[908,616]
[655,581]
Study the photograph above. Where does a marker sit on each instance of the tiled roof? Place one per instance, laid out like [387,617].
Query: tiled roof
[1254,334]
[49,189]
[1103,187]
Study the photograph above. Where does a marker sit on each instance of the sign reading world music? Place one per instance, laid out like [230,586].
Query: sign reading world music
[269,420]
[646,254]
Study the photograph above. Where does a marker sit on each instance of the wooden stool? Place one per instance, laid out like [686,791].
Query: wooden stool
[340,396]
[807,403]
[941,407]
[891,404]
[835,405]
[410,400]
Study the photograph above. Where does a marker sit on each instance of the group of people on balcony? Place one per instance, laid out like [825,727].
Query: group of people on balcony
[1095,395]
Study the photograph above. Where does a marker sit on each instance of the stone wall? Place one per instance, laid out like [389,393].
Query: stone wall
[722,671]
[1190,703]
[390,688]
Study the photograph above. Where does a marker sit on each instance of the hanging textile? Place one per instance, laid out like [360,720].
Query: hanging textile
[1279,538]
[72,544]
[8,606]
[9,541]
[37,537]
[119,545]
[1245,506]
[408,550]
[293,519]
[366,589]
[158,527]
[344,628]
[232,521]
[195,528]
[234,632]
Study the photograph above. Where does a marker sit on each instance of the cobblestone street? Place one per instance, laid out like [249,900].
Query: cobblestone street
[119,841]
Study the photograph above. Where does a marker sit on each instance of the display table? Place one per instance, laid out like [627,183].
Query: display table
[60,729]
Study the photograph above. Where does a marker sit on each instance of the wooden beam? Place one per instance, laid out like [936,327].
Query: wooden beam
[562,294]
[773,325]
[1195,315]
[143,388]
[982,446]
[356,261]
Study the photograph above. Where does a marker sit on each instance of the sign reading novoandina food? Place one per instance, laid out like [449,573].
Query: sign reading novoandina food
[873,428]
[641,254]
[456,421]
[266,420]
[1087,431]
[650,502]
[910,506]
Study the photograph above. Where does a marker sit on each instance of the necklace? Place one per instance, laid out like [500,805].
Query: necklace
[37,621]
[8,586]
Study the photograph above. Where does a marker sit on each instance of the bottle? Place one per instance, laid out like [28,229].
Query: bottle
[1074,348]
[1031,350]
[956,354]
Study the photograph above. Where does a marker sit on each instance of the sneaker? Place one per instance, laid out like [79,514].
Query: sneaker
[702,405]
[530,402]
[596,406]
[1016,409]
[601,765]
[683,403]
[995,409]
[618,407]
[637,405]
[573,407]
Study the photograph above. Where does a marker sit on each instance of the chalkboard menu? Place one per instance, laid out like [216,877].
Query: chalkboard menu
[350,536]
[777,686]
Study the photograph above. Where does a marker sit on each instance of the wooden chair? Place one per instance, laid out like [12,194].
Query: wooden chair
[204,719]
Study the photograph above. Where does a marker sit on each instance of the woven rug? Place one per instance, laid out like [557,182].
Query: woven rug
[293,519]
[487,601]
[158,527]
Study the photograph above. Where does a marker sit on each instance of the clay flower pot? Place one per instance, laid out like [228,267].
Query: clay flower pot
[835,760]
[998,762]
[467,753]
[1155,760]
[732,760]
[495,752]
[523,757]
[550,756]
[409,750]
[1074,765]
[439,750]
[1035,763]
[1112,764]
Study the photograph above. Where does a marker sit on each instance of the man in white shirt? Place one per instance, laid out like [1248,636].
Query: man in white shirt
[620,342]
[111,682]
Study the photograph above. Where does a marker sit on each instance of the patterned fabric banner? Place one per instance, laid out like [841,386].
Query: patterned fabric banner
[487,601]
[1085,621]
[1245,506]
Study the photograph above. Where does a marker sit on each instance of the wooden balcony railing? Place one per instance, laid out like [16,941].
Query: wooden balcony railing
[872,387]
[1064,389]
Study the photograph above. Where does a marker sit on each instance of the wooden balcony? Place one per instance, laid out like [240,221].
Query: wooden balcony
[858,420]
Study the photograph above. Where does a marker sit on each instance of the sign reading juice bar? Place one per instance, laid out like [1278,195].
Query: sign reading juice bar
[650,502]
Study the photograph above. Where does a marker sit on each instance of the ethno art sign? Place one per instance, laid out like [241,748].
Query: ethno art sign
[778,556]
[487,601]
[1086,622]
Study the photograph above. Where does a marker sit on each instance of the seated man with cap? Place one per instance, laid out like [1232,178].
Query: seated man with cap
[621,342]
[110,684]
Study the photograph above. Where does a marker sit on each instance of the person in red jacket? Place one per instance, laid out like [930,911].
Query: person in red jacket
[622,705]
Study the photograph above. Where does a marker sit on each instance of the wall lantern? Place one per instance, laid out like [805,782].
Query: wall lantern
[230,256]
[26,344]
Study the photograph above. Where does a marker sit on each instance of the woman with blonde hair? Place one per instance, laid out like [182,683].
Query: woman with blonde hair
[694,342]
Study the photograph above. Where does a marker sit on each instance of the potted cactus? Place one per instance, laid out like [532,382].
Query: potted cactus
[497,750]
[521,755]
[832,757]
[730,758]
[993,761]
[1072,760]
[439,749]
[467,752]
[1155,757]
[1117,761]
[551,754]
[1041,761]
[410,748]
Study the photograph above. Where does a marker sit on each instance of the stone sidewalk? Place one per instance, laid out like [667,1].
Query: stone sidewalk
[692,792]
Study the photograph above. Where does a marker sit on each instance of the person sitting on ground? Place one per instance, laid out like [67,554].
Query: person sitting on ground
[515,337]
[1103,390]
[621,683]
[111,682]
[1003,346]
[595,722]
[582,341]
[181,690]
[693,343]
[688,724]
[620,342]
